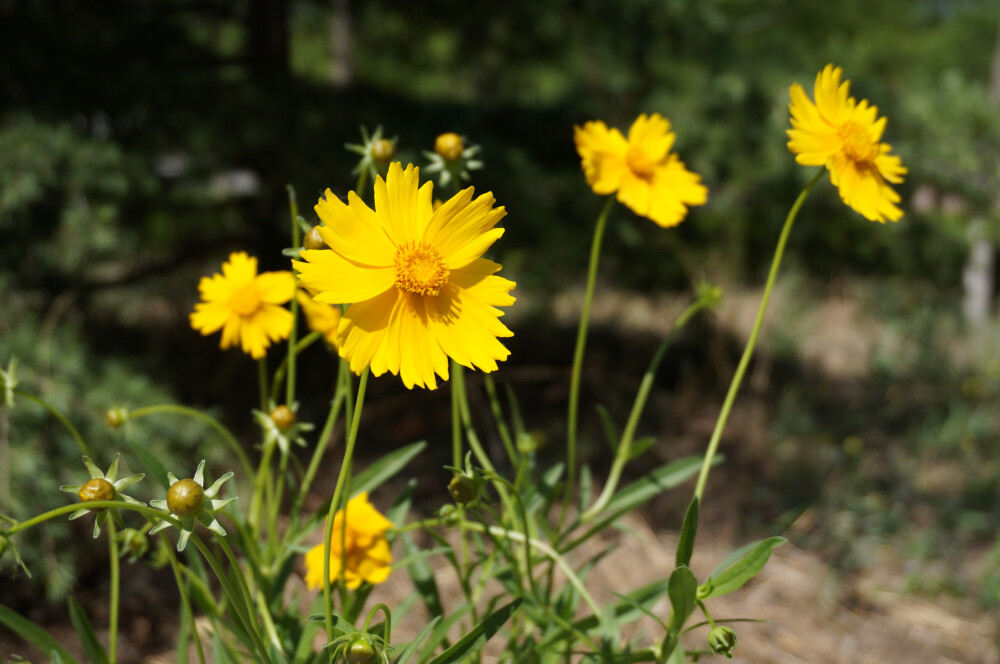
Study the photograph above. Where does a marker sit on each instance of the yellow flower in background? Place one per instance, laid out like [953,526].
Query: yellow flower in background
[845,136]
[365,553]
[245,305]
[418,289]
[649,179]
[322,318]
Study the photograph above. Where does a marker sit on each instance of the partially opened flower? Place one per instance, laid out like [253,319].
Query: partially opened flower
[245,305]
[320,317]
[365,551]
[648,178]
[845,136]
[418,289]
[102,486]
[186,501]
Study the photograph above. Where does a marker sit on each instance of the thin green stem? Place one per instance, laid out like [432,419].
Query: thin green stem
[226,434]
[259,486]
[734,386]
[456,427]
[279,374]
[293,210]
[581,344]
[59,416]
[185,600]
[91,505]
[115,591]
[262,383]
[502,429]
[623,453]
[345,465]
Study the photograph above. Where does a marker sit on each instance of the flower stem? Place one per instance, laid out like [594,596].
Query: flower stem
[741,368]
[623,452]
[262,382]
[293,211]
[581,343]
[59,416]
[226,434]
[185,600]
[279,374]
[345,465]
[115,591]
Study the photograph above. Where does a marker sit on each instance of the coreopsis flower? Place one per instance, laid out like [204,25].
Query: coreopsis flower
[245,305]
[418,290]
[320,317]
[186,501]
[102,486]
[365,550]
[845,136]
[648,178]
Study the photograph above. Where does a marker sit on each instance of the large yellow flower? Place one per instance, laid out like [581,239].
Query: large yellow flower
[649,179]
[322,318]
[418,289]
[245,305]
[365,553]
[845,136]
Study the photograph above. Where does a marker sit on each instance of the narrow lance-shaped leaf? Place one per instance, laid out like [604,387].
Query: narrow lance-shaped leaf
[478,635]
[92,648]
[741,571]
[683,592]
[685,545]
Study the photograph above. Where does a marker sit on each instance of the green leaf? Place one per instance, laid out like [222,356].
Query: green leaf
[34,635]
[422,577]
[640,446]
[611,434]
[374,475]
[478,635]
[439,634]
[683,591]
[744,569]
[411,647]
[665,477]
[685,545]
[92,648]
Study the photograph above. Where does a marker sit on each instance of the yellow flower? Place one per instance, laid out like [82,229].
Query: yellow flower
[418,289]
[365,552]
[845,136]
[649,179]
[322,318]
[245,305]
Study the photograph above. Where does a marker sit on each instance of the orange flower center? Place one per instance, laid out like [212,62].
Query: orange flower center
[639,162]
[246,301]
[420,269]
[857,143]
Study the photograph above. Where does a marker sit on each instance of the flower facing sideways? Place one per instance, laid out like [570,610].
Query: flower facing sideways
[845,136]
[418,289]
[245,305]
[649,179]
[365,551]
[322,318]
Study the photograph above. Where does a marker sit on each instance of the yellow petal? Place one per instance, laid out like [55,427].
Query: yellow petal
[354,231]
[275,287]
[336,280]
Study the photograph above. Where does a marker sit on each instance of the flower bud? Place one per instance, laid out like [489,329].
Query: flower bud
[383,151]
[722,641]
[115,417]
[185,497]
[313,240]
[462,489]
[97,489]
[283,417]
[449,146]
[361,651]
[134,544]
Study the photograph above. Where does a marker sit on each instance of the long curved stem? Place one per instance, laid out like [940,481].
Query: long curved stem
[115,591]
[59,416]
[226,434]
[581,343]
[623,453]
[293,212]
[734,386]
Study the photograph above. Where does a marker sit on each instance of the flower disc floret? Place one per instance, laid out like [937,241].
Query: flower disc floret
[845,136]
[418,289]
[641,170]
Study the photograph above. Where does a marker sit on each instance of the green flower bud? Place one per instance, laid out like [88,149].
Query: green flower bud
[361,651]
[134,544]
[722,641]
[462,489]
[283,417]
[383,151]
[97,489]
[115,417]
[185,497]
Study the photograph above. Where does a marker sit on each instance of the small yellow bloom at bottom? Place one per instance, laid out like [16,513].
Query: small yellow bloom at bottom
[365,552]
